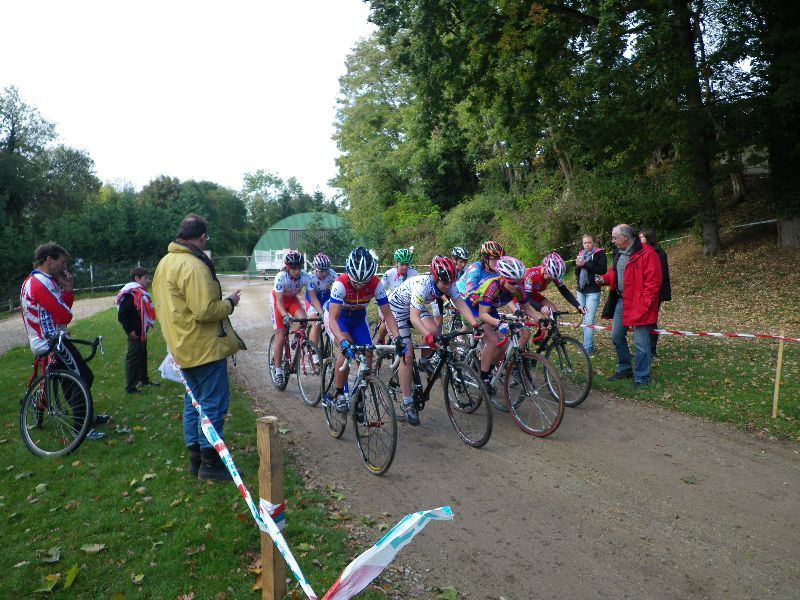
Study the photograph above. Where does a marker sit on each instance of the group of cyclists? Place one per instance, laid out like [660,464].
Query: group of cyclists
[407,299]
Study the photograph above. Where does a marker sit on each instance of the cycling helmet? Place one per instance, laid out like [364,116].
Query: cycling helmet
[554,266]
[443,269]
[492,249]
[511,268]
[459,252]
[293,260]
[360,265]
[321,262]
[402,256]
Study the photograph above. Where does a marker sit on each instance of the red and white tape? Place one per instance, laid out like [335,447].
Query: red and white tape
[723,334]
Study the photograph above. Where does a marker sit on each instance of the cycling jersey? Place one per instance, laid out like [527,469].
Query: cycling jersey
[419,292]
[46,309]
[534,284]
[321,286]
[289,286]
[472,278]
[343,292]
[392,279]
[491,292]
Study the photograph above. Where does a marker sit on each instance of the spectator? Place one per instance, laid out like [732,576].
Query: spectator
[46,299]
[195,321]
[648,236]
[635,279]
[136,314]
[590,262]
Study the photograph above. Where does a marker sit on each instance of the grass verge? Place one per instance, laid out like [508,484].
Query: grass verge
[124,517]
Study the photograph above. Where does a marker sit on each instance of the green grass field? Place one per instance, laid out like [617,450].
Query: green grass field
[124,517]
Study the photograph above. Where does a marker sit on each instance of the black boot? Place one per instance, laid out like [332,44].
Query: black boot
[194,459]
[211,466]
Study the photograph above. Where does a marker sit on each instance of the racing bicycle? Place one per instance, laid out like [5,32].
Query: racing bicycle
[302,358]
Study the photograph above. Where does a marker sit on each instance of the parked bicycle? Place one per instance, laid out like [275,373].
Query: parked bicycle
[570,358]
[57,410]
[465,397]
[531,389]
[369,407]
[302,358]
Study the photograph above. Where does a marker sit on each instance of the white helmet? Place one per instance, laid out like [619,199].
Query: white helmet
[554,266]
[510,268]
[360,266]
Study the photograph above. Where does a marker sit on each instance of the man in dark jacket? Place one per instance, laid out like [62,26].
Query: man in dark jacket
[635,280]
[136,315]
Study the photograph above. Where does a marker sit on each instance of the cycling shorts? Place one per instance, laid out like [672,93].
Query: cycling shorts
[290,303]
[353,322]
[492,311]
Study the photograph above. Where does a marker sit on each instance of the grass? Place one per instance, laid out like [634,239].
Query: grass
[162,533]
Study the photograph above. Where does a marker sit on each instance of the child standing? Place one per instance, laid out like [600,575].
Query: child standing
[136,314]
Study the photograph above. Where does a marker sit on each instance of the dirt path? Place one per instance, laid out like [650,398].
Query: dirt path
[623,501]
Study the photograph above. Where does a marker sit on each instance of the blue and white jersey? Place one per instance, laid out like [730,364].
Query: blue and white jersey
[292,287]
[322,286]
[421,293]
[391,280]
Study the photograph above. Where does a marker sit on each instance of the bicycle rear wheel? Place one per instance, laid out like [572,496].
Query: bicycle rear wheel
[56,414]
[271,362]
[574,368]
[375,425]
[534,408]
[309,372]
[467,404]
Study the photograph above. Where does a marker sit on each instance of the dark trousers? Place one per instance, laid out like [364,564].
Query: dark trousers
[136,364]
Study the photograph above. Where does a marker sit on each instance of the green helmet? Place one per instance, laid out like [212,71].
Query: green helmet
[402,256]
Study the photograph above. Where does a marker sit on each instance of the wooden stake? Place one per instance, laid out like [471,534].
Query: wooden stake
[270,485]
[778,377]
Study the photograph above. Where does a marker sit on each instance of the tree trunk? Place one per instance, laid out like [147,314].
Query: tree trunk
[698,130]
[789,232]
[737,186]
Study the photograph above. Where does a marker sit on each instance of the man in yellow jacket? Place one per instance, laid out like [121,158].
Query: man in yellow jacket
[194,320]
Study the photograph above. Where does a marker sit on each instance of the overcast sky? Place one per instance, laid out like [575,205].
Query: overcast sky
[190,89]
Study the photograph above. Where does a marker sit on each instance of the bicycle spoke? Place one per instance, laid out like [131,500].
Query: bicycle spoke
[375,426]
[466,401]
[534,408]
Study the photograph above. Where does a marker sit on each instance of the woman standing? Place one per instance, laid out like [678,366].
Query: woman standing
[648,237]
[590,261]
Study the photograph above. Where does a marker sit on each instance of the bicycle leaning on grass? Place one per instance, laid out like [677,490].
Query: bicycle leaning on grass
[301,357]
[57,410]
[370,408]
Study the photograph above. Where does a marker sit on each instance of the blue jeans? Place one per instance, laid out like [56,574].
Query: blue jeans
[209,384]
[590,301]
[641,341]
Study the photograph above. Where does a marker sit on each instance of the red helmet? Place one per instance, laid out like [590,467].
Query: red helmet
[492,249]
[293,259]
[443,269]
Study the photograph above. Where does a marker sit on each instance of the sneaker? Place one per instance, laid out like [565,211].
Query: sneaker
[278,378]
[426,366]
[342,405]
[489,387]
[618,376]
[101,419]
[95,435]
[639,384]
[412,418]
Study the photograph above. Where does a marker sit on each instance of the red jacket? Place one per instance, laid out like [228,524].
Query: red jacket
[642,285]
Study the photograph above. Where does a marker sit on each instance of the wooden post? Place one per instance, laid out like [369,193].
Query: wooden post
[777,378]
[270,485]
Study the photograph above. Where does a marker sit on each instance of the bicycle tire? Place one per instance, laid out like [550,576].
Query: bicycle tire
[498,403]
[335,421]
[309,372]
[271,363]
[467,404]
[536,411]
[574,368]
[375,426]
[50,423]
[383,371]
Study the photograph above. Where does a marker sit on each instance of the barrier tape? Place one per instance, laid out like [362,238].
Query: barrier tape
[270,519]
[723,334]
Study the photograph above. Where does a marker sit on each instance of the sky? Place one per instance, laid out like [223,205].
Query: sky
[194,90]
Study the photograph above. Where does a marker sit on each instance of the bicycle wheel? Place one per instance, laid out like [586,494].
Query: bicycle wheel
[56,414]
[271,363]
[467,404]
[309,372]
[375,426]
[383,370]
[574,369]
[336,421]
[534,408]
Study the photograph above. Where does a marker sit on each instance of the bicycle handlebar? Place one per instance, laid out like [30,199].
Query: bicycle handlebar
[56,343]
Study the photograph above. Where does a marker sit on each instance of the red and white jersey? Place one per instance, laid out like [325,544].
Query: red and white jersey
[343,292]
[289,286]
[534,283]
[46,309]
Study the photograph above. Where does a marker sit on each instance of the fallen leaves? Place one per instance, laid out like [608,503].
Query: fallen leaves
[92,548]
[53,555]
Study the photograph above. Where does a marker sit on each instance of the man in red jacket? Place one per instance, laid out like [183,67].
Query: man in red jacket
[635,280]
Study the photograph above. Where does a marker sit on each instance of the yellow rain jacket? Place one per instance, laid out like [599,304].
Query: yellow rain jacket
[191,310]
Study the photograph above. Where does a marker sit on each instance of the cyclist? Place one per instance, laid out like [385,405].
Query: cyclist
[46,297]
[346,313]
[285,304]
[553,268]
[394,277]
[490,295]
[460,257]
[409,305]
[322,279]
[477,272]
